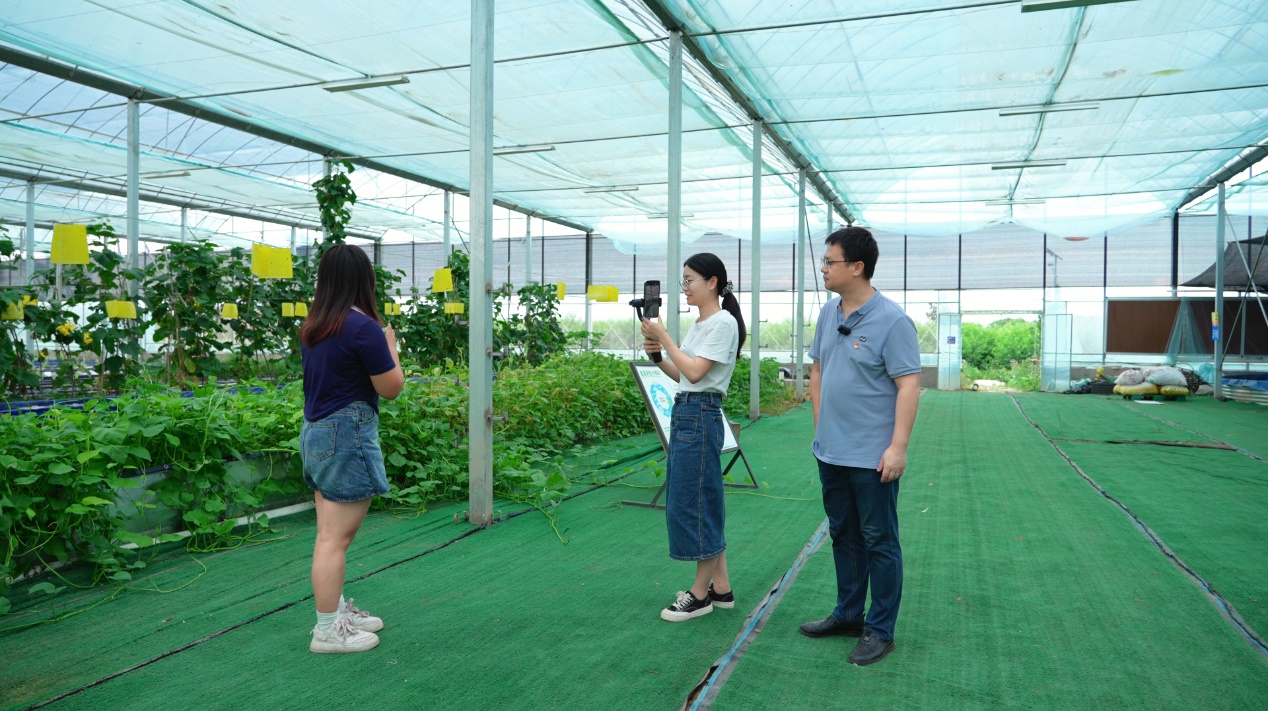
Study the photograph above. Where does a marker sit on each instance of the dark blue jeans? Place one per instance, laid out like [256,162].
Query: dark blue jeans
[694,508]
[863,520]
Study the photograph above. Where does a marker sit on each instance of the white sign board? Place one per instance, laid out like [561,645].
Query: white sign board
[658,392]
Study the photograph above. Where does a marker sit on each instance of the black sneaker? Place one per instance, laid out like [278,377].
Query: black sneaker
[724,600]
[871,649]
[686,607]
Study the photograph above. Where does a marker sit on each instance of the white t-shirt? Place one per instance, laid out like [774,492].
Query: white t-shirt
[716,338]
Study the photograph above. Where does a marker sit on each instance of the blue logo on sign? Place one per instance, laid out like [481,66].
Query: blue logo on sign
[661,399]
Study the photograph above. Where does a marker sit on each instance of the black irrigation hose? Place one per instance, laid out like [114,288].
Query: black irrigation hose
[1186,429]
[279,608]
[1224,606]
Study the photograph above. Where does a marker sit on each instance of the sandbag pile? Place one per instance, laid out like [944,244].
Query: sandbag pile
[1162,380]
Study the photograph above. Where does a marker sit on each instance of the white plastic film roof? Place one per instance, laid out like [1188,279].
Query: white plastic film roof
[894,104]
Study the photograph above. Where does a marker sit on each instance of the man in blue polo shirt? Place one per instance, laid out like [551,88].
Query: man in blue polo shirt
[864,386]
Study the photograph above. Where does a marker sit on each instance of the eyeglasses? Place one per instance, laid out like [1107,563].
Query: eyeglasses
[686,283]
[825,262]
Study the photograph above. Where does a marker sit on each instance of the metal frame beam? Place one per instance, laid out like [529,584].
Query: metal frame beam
[172,201]
[110,85]
[1221,176]
[739,97]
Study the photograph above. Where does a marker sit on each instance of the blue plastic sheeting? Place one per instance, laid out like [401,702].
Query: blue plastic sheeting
[1258,381]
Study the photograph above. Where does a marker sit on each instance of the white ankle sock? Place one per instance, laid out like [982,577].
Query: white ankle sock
[326,620]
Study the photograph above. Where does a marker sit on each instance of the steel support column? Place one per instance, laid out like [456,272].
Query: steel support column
[480,339]
[799,318]
[755,283]
[1218,343]
[134,188]
[673,256]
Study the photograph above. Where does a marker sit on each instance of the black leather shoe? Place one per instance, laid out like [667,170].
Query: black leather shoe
[870,650]
[832,627]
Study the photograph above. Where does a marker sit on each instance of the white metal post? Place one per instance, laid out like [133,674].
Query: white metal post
[325,170]
[448,200]
[185,228]
[480,339]
[589,322]
[755,282]
[672,294]
[528,249]
[1217,343]
[134,188]
[28,239]
[799,318]
[28,236]
[293,242]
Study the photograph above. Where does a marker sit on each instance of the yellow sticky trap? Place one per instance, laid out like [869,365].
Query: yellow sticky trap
[13,312]
[271,262]
[70,244]
[29,300]
[455,307]
[442,281]
[561,290]
[301,309]
[288,309]
[602,293]
[120,309]
[394,309]
[229,312]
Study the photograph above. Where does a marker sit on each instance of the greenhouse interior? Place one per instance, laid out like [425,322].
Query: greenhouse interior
[1069,204]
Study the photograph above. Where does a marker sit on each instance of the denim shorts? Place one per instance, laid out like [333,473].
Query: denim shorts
[341,454]
[694,510]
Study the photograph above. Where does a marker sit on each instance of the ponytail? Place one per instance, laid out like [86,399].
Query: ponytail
[709,266]
[732,305]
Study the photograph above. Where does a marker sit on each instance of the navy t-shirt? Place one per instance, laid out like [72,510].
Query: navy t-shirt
[337,370]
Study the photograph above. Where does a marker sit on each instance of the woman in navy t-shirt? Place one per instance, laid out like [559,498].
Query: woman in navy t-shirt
[350,359]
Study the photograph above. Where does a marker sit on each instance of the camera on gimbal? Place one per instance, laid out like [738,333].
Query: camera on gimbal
[648,306]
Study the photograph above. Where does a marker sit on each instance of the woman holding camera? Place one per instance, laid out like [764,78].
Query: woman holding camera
[694,509]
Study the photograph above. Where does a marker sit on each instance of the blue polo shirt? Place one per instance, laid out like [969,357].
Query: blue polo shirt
[337,370]
[857,394]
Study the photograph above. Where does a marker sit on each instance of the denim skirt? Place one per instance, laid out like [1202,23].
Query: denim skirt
[694,510]
[341,454]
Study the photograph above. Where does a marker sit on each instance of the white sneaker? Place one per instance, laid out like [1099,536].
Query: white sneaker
[341,638]
[361,619]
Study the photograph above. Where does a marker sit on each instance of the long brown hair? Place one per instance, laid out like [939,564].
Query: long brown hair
[345,278]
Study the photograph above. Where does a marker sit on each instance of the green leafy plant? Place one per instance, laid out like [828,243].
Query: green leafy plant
[777,397]
[17,374]
[335,198]
[535,335]
[427,334]
[184,292]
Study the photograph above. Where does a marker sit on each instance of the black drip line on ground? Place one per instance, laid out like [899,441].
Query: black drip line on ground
[1230,445]
[1224,607]
[286,606]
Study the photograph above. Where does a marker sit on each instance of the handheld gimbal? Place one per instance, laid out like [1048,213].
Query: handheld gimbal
[648,306]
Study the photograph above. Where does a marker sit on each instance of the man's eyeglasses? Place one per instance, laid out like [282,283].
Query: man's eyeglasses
[829,262]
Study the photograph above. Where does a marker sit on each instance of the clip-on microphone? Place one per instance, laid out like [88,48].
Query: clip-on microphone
[648,306]
[843,330]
